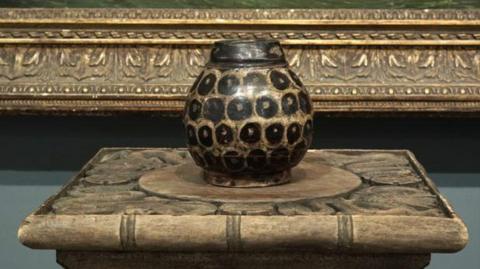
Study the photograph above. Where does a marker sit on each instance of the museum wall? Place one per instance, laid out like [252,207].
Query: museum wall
[39,154]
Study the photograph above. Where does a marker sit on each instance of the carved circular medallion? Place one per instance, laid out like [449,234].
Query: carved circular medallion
[307,181]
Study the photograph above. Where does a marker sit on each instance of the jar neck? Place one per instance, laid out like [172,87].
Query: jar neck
[247,53]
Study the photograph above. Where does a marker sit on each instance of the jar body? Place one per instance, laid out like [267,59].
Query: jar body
[247,125]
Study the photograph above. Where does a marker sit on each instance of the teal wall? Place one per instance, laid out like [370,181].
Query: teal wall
[39,154]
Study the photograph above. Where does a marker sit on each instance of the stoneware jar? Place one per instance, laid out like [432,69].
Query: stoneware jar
[248,117]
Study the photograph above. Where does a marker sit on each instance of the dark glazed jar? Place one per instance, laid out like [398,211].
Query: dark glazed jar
[248,117]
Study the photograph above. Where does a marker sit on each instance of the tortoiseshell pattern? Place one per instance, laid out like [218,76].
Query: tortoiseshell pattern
[248,120]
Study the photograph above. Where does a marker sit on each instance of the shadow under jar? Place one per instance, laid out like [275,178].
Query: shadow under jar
[248,117]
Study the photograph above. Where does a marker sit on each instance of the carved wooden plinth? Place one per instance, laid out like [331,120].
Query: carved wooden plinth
[392,216]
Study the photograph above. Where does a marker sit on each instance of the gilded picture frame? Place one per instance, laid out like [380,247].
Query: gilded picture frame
[71,61]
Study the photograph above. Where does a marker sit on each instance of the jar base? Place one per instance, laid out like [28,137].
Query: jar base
[246,180]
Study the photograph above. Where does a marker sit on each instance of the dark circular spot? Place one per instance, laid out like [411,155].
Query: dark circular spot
[214,109]
[197,158]
[298,152]
[205,136]
[194,109]
[233,160]
[210,159]
[206,84]
[289,104]
[295,78]
[195,84]
[293,132]
[255,80]
[228,85]
[191,135]
[279,80]
[224,134]
[257,159]
[274,133]
[305,104]
[307,129]
[279,158]
[266,107]
[239,108]
[250,132]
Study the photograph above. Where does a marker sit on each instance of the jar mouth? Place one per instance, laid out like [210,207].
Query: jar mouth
[248,52]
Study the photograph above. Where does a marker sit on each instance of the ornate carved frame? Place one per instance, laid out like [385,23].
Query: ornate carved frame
[112,60]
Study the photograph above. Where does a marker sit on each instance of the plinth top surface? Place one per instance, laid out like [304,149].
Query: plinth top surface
[362,200]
